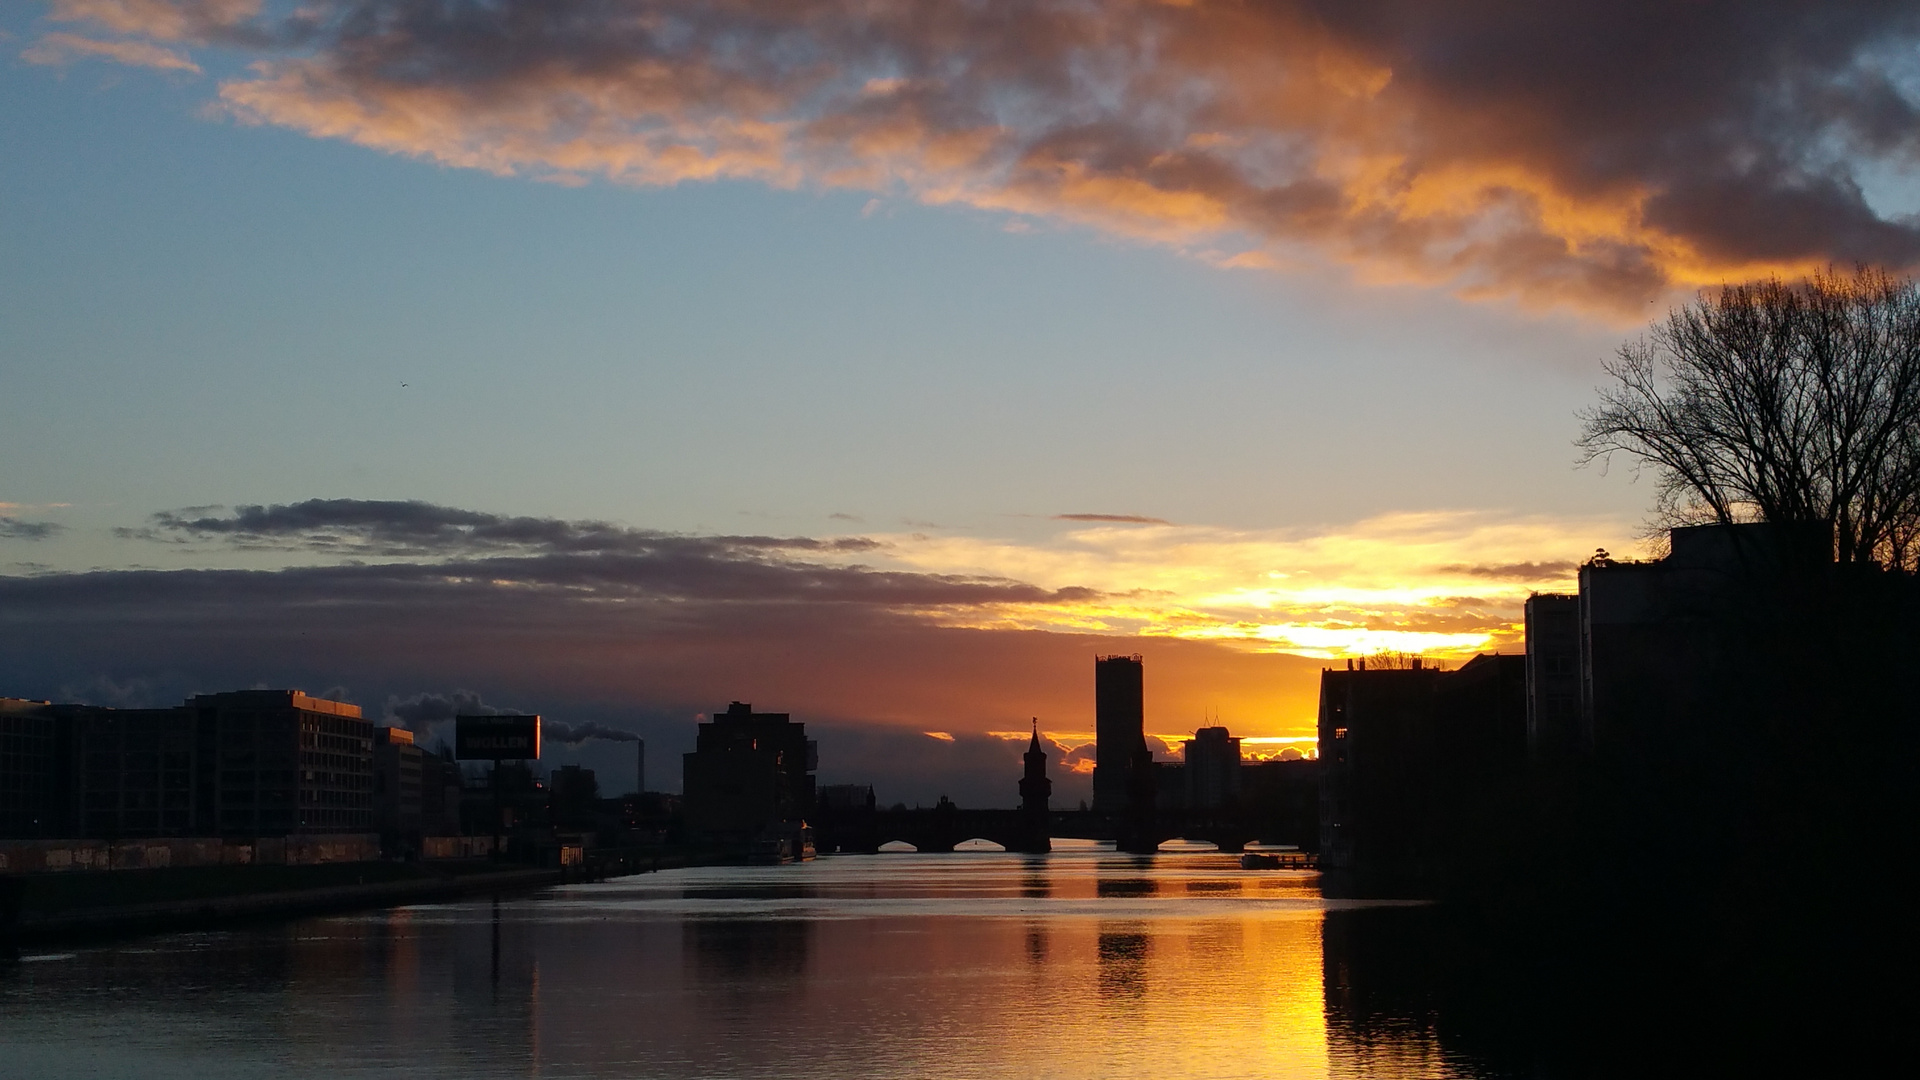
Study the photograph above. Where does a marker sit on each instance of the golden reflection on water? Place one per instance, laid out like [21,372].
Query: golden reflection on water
[1079,965]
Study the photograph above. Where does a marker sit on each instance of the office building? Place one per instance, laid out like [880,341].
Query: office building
[287,762]
[748,771]
[36,750]
[142,773]
[440,784]
[248,763]
[1121,757]
[398,788]
[1212,769]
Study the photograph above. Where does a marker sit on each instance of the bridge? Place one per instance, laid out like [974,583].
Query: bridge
[945,826]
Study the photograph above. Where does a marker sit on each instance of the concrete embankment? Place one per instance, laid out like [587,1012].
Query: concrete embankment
[69,907]
[35,925]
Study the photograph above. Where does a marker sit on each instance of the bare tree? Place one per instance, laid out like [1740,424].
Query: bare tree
[1779,402]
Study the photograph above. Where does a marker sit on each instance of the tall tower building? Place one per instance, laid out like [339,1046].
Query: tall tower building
[1119,718]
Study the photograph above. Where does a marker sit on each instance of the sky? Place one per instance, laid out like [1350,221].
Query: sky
[878,362]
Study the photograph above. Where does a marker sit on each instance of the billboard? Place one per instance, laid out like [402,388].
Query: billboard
[494,738]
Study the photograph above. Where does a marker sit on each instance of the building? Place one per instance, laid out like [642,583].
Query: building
[1373,729]
[1620,661]
[143,773]
[247,763]
[1410,757]
[82,771]
[36,750]
[1212,769]
[1553,674]
[1120,751]
[573,797]
[398,787]
[287,762]
[1282,799]
[845,797]
[440,785]
[748,773]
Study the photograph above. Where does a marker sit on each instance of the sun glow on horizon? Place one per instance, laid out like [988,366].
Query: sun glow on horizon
[1446,585]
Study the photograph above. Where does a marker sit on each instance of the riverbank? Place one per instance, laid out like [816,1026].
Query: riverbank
[77,907]
[68,909]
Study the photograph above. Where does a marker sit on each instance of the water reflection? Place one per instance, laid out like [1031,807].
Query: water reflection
[1123,962]
[977,965]
[1036,884]
[748,950]
[1126,887]
[1036,943]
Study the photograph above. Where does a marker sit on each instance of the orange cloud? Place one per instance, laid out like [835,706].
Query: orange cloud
[1528,155]
[56,49]
[166,20]
[1444,584]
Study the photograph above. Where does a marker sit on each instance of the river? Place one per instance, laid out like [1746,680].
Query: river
[1080,964]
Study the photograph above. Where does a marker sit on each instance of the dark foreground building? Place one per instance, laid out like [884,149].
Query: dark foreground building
[1410,759]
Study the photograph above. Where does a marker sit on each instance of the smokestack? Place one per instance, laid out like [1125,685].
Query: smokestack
[640,766]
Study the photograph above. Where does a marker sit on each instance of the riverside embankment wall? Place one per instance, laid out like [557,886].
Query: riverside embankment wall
[34,856]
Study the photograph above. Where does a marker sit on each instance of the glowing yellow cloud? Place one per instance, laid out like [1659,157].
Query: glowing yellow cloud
[1446,585]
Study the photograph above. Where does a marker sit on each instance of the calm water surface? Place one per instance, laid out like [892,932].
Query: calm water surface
[971,965]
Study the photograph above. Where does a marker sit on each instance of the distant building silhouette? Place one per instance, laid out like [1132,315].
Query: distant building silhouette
[1212,769]
[1284,798]
[440,784]
[1120,750]
[573,798]
[844,797]
[749,782]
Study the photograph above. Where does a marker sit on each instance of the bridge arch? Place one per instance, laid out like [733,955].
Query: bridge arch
[1176,844]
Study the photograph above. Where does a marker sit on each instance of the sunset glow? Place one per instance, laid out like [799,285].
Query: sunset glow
[1438,584]
[877,362]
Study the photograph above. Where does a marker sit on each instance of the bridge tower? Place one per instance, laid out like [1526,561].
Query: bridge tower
[1035,788]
